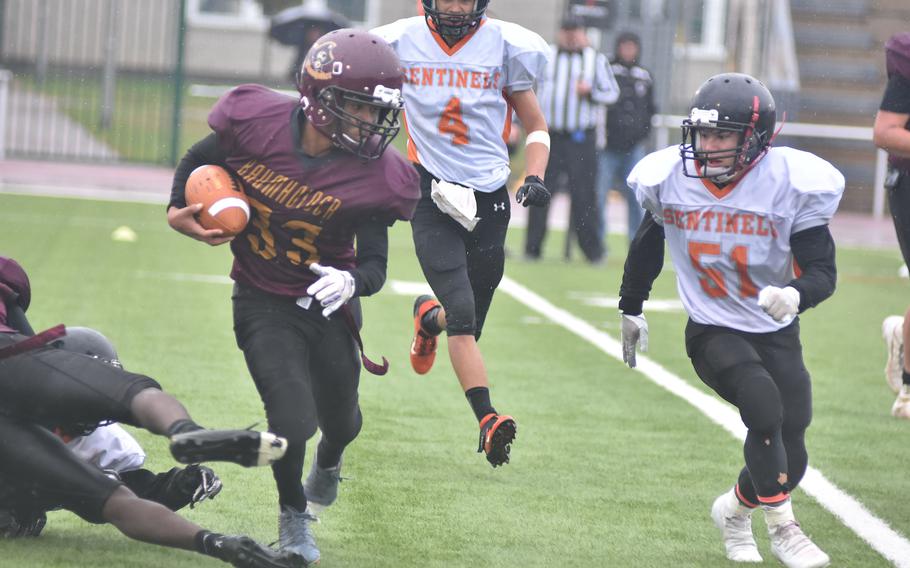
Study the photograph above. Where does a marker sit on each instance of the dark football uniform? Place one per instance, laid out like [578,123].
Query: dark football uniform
[46,387]
[897,100]
[303,210]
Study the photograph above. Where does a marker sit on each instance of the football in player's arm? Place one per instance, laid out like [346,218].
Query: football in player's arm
[319,178]
[747,230]
[43,387]
[464,75]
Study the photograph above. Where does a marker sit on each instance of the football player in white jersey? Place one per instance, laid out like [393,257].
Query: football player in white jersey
[747,230]
[465,73]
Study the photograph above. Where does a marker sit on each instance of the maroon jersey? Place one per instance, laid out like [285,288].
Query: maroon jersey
[303,210]
[14,286]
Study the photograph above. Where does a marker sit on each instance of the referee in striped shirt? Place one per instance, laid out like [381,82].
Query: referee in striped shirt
[577,82]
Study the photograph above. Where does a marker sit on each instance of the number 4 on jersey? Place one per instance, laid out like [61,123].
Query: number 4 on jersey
[452,122]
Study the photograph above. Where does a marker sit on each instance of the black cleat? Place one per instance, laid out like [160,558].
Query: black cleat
[496,436]
[244,447]
[244,552]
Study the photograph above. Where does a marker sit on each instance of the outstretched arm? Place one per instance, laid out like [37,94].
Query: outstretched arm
[643,265]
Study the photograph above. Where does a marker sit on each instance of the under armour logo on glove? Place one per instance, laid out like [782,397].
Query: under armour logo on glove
[499,207]
[533,192]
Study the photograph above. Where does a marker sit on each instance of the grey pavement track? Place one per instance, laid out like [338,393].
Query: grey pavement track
[152,184]
[36,126]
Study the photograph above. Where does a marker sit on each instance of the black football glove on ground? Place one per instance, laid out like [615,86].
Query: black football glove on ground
[533,192]
[17,524]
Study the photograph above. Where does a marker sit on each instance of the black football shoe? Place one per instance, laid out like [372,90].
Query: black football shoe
[244,447]
[244,552]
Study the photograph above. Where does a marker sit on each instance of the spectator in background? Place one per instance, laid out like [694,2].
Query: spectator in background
[890,133]
[578,79]
[628,124]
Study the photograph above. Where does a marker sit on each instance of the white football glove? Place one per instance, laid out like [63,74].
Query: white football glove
[634,332]
[333,289]
[782,304]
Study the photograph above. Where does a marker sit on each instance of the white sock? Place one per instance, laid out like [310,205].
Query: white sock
[738,508]
[778,514]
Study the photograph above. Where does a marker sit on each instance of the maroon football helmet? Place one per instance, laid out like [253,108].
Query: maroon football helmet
[352,66]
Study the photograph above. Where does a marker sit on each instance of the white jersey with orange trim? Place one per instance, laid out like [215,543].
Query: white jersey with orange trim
[728,243]
[109,447]
[456,112]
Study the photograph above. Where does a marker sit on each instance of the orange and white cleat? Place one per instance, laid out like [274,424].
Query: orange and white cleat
[423,346]
[496,436]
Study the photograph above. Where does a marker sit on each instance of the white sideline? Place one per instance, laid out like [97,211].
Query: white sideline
[876,532]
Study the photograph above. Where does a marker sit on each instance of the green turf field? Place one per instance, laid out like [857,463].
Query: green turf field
[608,469]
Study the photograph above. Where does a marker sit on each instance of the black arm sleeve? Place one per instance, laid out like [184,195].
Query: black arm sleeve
[206,151]
[372,257]
[813,250]
[643,265]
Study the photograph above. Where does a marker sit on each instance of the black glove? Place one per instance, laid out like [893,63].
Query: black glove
[176,488]
[17,524]
[533,192]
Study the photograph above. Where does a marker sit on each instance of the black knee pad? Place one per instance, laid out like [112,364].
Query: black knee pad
[460,313]
[296,428]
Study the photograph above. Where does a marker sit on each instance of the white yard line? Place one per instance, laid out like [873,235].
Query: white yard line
[880,536]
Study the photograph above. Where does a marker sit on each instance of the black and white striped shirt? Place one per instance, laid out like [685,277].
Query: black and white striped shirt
[563,108]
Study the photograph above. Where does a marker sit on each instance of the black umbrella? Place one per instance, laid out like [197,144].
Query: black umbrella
[300,26]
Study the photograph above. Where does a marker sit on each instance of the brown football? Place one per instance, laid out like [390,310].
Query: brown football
[224,205]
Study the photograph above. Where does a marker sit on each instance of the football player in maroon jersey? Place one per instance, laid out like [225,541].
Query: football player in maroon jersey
[42,386]
[318,178]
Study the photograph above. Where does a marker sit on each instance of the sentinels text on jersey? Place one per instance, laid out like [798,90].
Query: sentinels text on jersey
[457,120]
[728,243]
[303,209]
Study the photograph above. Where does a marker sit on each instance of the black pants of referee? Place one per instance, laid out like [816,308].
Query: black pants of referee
[764,376]
[576,156]
[307,371]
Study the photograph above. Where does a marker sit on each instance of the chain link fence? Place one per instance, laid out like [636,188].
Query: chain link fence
[92,80]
